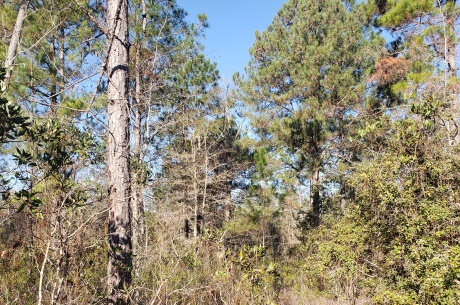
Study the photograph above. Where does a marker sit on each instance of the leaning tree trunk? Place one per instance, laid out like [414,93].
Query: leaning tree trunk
[119,226]
[14,42]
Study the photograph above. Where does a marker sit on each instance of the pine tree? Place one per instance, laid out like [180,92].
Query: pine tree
[163,42]
[304,84]
[57,44]
[428,31]
[119,184]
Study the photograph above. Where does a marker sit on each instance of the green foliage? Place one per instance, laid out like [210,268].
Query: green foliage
[70,107]
[261,275]
[332,258]
[14,123]
[16,270]
[401,11]
[397,241]
[303,86]
[406,199]
[260,159]
[54,149]
[195,78]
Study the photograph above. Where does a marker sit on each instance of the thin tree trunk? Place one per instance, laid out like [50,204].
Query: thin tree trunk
[142,230]
[61,69]
[138,223]
[315,197]
[138,219]
[58,70]
[452,73]
[119,226]
[13,47]
[42,274]
[195,189]
[205,182]
[54,87]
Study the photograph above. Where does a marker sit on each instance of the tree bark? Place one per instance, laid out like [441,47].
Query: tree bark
[315,196]
[138,219]
[61,69]
[138,216]
[451,59]
[119,221]
[195,188]
[13,47]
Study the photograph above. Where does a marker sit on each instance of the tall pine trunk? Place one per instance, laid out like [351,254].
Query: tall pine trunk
[119,225]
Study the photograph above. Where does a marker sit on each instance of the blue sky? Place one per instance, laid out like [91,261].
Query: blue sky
[232,28]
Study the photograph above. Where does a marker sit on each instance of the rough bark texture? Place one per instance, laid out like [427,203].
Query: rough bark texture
[14,42]
[119,226]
